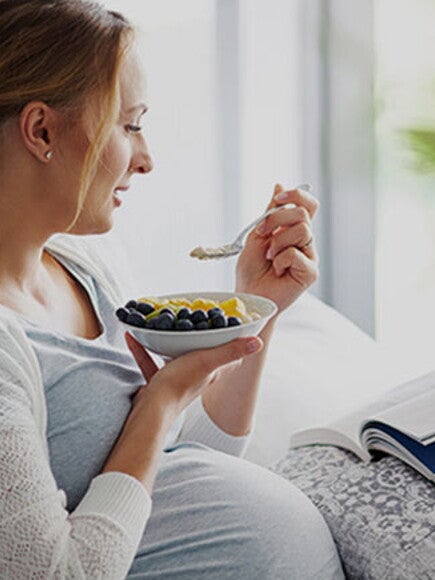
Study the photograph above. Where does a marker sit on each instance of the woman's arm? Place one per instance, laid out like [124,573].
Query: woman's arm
[165,395]
[279,263]
[38,537]
[99,539]
[230,402]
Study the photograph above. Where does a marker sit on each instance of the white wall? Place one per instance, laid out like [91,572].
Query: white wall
[339,150]
[271,94]
[222,127]
[172,209]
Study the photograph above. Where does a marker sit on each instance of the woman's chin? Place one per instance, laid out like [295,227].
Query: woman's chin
[94,227]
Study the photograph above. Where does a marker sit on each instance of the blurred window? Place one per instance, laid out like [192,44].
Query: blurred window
[405,162]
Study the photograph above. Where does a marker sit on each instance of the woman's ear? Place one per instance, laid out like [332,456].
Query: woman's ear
[37,128]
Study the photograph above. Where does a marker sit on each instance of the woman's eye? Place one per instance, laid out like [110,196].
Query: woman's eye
[133,128]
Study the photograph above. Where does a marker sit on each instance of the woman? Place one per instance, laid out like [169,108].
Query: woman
[85,444]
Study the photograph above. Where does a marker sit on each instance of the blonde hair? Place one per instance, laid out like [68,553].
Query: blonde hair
[62,52]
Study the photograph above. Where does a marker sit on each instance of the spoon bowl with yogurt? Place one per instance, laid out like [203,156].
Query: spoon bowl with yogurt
[235,247]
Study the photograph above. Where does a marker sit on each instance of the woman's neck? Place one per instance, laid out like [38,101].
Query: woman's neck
[25,273]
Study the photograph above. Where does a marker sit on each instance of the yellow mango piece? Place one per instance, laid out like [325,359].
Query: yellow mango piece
[150,300]
[235,307]
[182,302]
[203,304]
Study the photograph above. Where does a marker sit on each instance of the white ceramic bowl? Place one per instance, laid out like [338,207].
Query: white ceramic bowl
[173,343]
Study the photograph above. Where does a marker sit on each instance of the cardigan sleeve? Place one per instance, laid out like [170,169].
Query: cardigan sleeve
[38,537]
[199,427]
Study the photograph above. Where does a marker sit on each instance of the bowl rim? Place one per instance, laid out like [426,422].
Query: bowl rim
[175,333]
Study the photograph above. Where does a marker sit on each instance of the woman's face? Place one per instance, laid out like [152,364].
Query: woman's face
[126,153]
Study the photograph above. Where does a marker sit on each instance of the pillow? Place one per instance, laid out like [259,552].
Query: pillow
[319,366]
[380,514]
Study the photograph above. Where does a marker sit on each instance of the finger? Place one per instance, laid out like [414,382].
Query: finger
[295,263]
[206,361]
[225,370]
[310,250]
[299,236]
[299,197]
[284,218]
[143,359]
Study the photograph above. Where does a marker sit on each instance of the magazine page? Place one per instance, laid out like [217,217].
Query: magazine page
[414,417]
[345,432]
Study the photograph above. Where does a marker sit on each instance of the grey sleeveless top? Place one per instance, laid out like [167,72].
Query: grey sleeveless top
[88,386]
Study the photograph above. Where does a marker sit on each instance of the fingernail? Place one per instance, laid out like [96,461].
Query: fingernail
[280,196]
[269,254]
[261,228]
[130,339]
[253,345]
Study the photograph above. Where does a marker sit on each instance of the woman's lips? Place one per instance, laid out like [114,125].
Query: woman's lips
[116,199]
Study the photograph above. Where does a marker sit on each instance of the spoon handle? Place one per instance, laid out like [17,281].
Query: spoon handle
[249,227]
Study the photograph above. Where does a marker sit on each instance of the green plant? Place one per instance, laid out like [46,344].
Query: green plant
[421,142]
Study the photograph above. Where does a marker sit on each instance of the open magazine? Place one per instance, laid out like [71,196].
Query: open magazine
[400,423]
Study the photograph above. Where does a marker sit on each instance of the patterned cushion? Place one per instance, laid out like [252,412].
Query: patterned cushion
[381,514]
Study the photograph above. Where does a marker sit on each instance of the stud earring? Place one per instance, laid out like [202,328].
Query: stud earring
[48,154]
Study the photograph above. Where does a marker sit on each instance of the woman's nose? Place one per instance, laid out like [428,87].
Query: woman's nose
[142,161]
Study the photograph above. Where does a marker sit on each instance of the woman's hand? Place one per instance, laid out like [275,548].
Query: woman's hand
[281,261]
[157,404]
[179,382]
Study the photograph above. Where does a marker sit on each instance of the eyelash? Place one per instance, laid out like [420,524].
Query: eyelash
[133,128]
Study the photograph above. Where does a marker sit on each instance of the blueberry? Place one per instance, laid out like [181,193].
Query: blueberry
[219,321]
[183,324]
[131,304]
[234,321]
[167,311]
[164,321]
[144,308]
[183,313]
[151,323]
[122,314]
[203,325]
[136,319]
[213,311]
[198,316]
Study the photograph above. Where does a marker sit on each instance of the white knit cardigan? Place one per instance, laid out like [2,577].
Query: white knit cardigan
[38,537]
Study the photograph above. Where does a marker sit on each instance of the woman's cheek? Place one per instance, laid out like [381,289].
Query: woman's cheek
[116,157]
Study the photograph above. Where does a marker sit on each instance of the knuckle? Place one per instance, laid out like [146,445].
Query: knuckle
[303,214]
[304,235]
[292,253]
[315,275]
[315,203]
[305,231]
[287,257]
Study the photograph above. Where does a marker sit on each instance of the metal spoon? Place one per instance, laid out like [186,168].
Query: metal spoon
[237,246]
